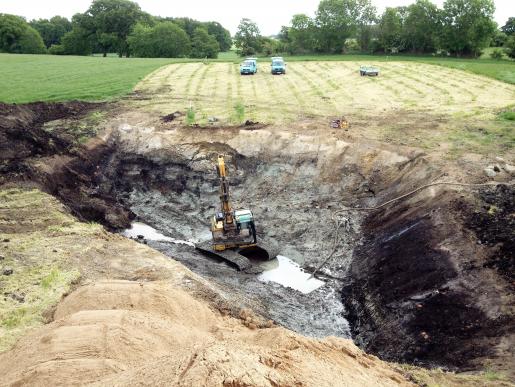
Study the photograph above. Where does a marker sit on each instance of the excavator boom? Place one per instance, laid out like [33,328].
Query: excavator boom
[224,192]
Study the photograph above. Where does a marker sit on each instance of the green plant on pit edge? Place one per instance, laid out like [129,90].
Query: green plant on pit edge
[508,115]
[239,110]
[190,116]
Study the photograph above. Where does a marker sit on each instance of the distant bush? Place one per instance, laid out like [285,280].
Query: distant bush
[74,42]
[351,45]
[56,49]
[496,54]
[190,116]
[498,39]
[239,110]
[509,46]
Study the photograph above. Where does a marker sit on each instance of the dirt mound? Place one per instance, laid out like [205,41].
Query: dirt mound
[133,333]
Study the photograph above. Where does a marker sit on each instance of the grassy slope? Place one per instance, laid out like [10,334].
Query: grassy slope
[28,78]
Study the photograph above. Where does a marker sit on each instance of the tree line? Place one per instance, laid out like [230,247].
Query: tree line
[114,26]
[459,28]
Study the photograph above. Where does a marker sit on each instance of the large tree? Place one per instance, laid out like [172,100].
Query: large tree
[338,20]
[215,29]
[468,26]
[222,35]
[52,30]
[421,27]
[302,34]
[204,45]
[509,27]
[164,40]
[247,38]
[187,24]
[366,16]
[17,36]
[391,29]
[110,22]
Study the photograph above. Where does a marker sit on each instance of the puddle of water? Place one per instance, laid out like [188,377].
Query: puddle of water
[290,274]
[151,234]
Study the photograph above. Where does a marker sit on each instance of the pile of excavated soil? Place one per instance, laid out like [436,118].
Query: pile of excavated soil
[152,333]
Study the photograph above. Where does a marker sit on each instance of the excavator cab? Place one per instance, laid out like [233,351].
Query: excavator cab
[245,225]
[233,231]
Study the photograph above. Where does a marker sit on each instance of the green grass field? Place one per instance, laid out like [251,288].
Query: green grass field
[28,78]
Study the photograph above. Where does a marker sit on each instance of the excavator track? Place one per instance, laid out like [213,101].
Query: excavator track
[238,257]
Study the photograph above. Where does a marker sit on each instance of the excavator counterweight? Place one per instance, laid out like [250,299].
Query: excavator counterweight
[233,231]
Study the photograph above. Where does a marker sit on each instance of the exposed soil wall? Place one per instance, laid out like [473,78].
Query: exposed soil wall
[55,162]
[426,289]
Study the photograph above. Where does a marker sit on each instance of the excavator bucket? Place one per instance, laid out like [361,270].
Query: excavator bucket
[244,259]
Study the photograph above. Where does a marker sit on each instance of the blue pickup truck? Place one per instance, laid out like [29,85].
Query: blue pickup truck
[248,66]
[278,65]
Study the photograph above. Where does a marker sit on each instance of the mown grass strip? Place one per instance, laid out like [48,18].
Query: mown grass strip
[501,70]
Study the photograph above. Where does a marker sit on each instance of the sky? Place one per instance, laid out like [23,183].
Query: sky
[269,15]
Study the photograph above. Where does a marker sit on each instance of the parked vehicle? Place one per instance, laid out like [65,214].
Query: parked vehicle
[278,65]
[255,62]
[248,66]
[368,70]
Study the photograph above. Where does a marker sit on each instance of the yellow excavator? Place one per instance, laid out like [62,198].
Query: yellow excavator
[234,231]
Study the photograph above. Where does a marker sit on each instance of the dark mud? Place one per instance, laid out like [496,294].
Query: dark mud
[421,291]
[493,221]
[22,137]
[55,162]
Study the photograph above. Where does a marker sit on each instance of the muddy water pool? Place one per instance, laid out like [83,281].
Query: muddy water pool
[283,291]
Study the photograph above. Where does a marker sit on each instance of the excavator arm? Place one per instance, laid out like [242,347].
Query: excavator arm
[224,192]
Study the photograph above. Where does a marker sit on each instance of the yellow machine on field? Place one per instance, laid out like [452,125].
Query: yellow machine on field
[234,231]
[340,123]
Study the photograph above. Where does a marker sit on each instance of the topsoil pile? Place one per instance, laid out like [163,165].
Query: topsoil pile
[140,333]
